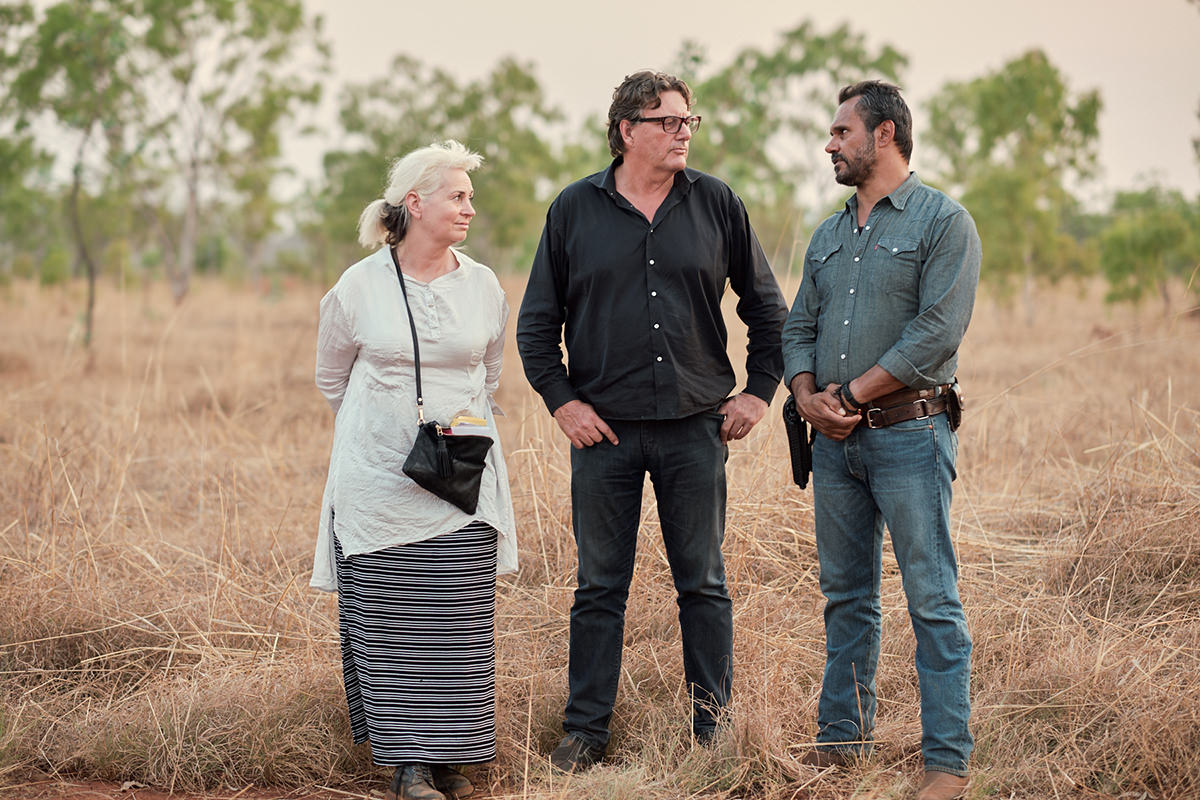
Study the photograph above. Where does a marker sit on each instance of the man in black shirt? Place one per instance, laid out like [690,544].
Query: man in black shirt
[630,271]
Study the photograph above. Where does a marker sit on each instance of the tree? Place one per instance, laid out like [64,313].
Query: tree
[224,77]
[74,67]
[766,116]
[1151,241]
[1010,142]
[502,116]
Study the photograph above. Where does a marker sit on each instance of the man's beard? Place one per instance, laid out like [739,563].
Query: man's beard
[858,168]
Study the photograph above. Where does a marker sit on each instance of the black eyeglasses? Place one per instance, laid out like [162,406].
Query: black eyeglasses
[672,124]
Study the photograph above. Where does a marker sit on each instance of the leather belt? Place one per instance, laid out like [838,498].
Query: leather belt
[905,404]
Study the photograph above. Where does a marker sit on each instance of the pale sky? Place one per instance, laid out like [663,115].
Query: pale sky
[1143,55]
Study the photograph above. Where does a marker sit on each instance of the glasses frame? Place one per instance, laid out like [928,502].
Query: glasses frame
[693,122]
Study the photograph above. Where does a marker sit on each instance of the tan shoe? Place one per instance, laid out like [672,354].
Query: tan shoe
[413,782]
[942,786]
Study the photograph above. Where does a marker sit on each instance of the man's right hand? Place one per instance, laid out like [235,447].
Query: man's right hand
[823,410]
[582,425]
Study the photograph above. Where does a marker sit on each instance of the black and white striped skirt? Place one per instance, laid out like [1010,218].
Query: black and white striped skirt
[418,647]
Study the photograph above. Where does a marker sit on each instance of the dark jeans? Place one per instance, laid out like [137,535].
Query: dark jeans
[686,463]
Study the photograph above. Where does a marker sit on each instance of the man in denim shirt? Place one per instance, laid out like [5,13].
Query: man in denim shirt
[870,351]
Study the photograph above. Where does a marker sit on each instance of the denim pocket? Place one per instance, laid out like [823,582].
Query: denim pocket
[822,258]
[913,425]
[899,266]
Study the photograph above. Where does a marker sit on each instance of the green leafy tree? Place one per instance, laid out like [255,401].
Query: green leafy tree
[766,118]
[74,69]
[1009,143]
[502,116]
[226,76]
[1153,240]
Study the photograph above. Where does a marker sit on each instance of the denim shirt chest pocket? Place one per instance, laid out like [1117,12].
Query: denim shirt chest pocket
[823,261]
[897,264]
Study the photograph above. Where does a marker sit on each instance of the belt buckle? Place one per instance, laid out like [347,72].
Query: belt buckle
[871,423]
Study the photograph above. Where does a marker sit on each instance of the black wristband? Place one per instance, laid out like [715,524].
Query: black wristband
[848,397]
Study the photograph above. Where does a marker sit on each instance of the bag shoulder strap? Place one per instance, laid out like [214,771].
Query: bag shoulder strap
[413,327]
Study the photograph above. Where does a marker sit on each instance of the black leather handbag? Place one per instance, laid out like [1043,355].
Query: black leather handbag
[449,465]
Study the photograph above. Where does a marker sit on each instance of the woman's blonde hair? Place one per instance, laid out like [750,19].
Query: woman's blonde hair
[385,221]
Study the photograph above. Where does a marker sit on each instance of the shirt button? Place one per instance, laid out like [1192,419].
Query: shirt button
[845,322]
[652,262]
[656,326]
[843,356]
[658,359]
[856,258]
[867,228]
[895,249]
[851,291]
[654,294]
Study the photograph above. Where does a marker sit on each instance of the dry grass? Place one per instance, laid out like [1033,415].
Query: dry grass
[158,507]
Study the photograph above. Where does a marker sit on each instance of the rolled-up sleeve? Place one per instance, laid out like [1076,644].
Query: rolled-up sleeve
[493,357]
[336,350]
[948,282]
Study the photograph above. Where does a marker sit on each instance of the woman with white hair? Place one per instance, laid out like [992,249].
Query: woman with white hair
[415,575]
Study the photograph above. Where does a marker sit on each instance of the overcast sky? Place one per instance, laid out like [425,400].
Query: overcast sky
[1143,55]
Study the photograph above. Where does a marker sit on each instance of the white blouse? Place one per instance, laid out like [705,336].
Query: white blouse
[365,370]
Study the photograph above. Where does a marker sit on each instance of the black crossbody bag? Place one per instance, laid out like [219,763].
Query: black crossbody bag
[448,465]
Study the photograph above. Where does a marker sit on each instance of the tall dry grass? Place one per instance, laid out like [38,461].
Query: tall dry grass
[158,502]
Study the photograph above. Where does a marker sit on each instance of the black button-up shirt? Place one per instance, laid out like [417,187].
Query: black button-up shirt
[640,301]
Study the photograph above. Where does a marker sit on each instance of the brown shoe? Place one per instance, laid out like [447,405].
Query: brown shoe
[451,782]
[824,757]
[942,786]
[413,782]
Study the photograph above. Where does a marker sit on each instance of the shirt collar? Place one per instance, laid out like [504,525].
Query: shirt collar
[607,180]
[897,197]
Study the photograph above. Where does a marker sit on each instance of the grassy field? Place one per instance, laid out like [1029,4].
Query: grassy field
[158,506]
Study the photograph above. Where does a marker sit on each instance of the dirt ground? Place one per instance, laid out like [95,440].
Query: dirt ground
[97,790]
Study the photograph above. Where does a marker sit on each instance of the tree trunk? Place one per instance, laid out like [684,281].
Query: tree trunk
[1027,288]
[185,258]
[81,247]
[1027,296]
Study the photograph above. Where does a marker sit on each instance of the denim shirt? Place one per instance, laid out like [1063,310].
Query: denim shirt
[899,293]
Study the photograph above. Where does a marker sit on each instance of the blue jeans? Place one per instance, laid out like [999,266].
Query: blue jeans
[899,476]
[685,459]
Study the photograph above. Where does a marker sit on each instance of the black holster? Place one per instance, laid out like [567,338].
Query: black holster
[799,442]
[954,405]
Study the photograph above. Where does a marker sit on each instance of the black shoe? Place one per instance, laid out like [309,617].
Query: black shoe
[413,782]
[575,755]
[451,782]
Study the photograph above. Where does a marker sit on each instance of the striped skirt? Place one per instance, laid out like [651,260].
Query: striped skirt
[418,648]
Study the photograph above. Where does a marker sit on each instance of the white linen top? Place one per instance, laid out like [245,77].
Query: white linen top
[365,370]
